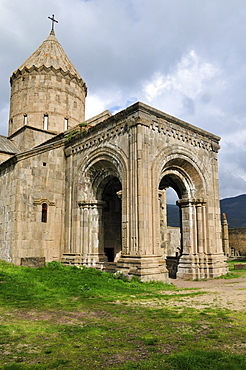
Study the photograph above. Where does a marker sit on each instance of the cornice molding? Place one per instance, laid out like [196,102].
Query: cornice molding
[48,70]
[110,128]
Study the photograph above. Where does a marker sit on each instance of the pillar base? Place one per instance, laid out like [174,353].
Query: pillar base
[201,266]
[146,268]
[77,259]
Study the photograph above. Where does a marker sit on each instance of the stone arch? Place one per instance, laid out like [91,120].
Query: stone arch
[178,161]
[174,167]
[98,165]
[100,173]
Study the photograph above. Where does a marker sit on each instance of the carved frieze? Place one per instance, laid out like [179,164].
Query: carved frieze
[96,136]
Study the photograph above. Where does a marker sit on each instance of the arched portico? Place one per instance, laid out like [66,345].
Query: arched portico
[194,254]
[127,162]
[97,214]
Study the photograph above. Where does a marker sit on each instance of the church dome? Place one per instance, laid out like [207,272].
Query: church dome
[47,92]
[50,54]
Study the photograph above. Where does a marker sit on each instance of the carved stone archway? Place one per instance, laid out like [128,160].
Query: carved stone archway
[194,257]
[101,183]
[99,176]
[146,151]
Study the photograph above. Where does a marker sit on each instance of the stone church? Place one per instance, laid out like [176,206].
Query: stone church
[93,192]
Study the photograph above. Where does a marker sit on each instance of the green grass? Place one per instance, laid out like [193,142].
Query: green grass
[68,318]
[233,274]
[56,284]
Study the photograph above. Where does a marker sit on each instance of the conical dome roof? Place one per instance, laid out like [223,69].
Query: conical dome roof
[50,54]
[47,92]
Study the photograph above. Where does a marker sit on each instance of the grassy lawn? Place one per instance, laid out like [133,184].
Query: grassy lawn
[236,273]
[68,318]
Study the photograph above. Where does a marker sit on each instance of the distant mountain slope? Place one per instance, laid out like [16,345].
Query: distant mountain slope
[235,209]
[173,215]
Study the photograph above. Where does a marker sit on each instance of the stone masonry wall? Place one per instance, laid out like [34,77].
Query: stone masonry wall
[237,240]
[8,186]
[35,93]
[28,137]
[31,181]
[174,241]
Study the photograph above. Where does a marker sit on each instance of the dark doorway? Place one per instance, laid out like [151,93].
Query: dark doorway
[109,252]
[112,218]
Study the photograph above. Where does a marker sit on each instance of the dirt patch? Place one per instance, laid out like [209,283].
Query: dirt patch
[215,293]
[222,293]
[59,317]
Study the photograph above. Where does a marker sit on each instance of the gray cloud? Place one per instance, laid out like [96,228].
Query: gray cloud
[186,58]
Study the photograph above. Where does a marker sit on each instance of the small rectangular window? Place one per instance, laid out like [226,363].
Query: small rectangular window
[65,124]
[25,119]
[46,119]
[44,212]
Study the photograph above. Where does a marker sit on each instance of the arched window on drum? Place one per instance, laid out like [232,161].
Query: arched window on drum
[44,212]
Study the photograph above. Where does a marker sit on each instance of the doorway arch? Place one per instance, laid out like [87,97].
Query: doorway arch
[97,192]
[191,254]
[170,237]
[111,217]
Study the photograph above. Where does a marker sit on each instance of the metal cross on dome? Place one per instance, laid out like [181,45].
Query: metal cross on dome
[53,21]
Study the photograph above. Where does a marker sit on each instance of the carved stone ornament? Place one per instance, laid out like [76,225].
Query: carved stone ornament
[43,200]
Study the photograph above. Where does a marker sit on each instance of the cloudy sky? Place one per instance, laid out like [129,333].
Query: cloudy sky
[185,57]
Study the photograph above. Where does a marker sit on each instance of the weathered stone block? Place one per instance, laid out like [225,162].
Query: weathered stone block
[33,261]
[239,266]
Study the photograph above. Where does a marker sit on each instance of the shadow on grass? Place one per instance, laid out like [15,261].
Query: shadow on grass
[45,287]
[68,318]
[195,360]
[200,360]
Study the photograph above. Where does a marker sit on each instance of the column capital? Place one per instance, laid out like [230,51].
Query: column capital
[185,202]
[92,203]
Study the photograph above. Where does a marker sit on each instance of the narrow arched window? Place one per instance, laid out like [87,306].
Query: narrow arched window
[44,212]
[65,124]
[46,120]
[25,119]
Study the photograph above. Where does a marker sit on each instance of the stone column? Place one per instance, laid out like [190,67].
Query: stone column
[197,261]
[188,264]
[142,257]
[123,226]
[84,230]
[68,201]
[201,239]
[140,192]
[91,232]
[225,236]
[163,221]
